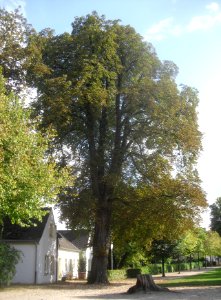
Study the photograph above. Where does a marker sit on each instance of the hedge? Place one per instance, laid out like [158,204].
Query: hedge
[117,274]
[150,269]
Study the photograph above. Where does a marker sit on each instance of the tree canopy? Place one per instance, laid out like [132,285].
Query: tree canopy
[215,211]
[129,132]
[14,55]
[28,179]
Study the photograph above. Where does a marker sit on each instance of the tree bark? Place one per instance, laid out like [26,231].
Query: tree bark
[145,283]
[163,267]
[101,245]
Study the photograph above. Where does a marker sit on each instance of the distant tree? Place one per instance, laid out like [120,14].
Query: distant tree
[212,244]
[200,245]
[131,134]
[29,180]
[188,245]
[163,250]
[215,211]
[14,55]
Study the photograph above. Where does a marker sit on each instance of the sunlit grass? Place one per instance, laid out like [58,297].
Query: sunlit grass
[209,278]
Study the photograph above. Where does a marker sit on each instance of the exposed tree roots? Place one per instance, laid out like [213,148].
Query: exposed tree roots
[146,283]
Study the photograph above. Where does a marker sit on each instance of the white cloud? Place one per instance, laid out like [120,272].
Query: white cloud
[162,30]
[213,7]
[168,27]
[207,21]
[11,5]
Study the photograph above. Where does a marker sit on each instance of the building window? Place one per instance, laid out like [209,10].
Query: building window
[66,265]
[52,265]
[47,264]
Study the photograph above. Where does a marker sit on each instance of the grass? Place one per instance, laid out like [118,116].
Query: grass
[209,278]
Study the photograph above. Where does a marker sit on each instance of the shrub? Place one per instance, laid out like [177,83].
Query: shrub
[117,274]
[82,263]
[132,273]
[9,257]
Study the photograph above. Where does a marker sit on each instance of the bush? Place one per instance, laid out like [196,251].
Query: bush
[145,270]
[82,262]
[150,269]
[132,273]
[155,269]
[117,274]
[9,257]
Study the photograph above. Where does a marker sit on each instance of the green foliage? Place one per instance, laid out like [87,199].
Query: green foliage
[29,180]
[132,134]
[82,262]
[132,273]
[14,36]
[188,243]
[153,269]
[215,211]
[212,244]
[110,98]
[162,248]
[117,274]
[172,267]
[9,257]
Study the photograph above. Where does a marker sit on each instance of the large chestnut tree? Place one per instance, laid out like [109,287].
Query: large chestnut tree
[130,133]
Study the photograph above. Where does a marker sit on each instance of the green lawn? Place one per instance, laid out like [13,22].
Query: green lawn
[209,278]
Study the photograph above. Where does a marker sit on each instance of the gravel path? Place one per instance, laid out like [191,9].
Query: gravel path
[116,290]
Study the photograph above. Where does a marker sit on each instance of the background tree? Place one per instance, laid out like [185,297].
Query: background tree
[212,244]
[125,126]
[188,245]
[163,250]
[28,179]
[215,212]
[200,246]
[14,54]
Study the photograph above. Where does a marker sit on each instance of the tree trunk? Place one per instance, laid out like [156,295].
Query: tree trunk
[178,264]
[198,260]
[163,267]
[190,262]
[145,283]
[101,244]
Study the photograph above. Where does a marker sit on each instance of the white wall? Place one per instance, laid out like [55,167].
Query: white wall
[32,267]
[25,269]
[47,247]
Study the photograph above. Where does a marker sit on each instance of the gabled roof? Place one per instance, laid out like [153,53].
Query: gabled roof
[80,238]
[65,244]
[14,232]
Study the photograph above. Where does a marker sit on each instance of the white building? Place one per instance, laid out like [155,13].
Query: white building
[47,255]
[81,240]
[38,245]
[68,257]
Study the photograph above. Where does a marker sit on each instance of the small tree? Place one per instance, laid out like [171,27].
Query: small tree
[212,244]
[162,250]
[9,257]
[188,245]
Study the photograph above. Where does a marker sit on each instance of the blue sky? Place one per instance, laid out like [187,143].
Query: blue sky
[186,32]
